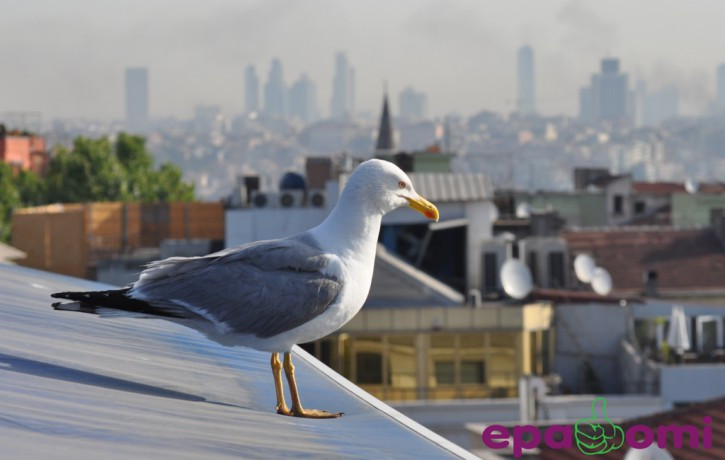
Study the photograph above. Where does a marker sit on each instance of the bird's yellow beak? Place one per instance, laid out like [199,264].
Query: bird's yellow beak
[424,207]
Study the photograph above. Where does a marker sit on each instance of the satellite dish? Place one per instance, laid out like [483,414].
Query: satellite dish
[691,186]
[523,210]
[506,236]
[584,267]
[516,279]
[648,453]
[601,281]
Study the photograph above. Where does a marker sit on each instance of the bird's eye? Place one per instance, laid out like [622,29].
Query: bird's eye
[401,184]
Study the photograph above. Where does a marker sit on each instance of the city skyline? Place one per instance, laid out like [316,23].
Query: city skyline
[199,56]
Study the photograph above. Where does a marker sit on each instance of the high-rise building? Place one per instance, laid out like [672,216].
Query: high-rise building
[412,103]
[586,100]
[343,88]
[720,98]
[275,91]
[303,100]
[606,97]
[525,102]
[137,99]
[251,90]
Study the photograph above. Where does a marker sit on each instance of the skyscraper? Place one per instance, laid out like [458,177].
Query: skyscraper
[303,100]
[251,90]
[525,102]
[137,99]
[343,88]
[606,98]
[412,103]
[275,91]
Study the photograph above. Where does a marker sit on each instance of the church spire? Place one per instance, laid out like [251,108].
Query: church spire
[385,133]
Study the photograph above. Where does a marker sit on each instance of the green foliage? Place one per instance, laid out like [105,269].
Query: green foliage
[96,170]
[89,172]
[31,188]
[9,199]
[93,170]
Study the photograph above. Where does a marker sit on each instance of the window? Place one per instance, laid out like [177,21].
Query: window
[369,368]
[556,269]
[490,269]
[639,207]
[473,372]
[445,372]
[618,205]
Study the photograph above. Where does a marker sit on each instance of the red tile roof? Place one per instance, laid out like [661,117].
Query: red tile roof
[711,188]
[658,188]
[690,415]
[692,259]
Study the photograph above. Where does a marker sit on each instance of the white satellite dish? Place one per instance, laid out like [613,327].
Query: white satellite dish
[648,453]
[691,186]
[584,267]
[516,279]
[601,281]
[523,210]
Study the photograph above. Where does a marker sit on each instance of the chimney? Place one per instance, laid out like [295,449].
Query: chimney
[251,184]
[318,171]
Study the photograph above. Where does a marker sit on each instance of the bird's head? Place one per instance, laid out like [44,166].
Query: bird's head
[387,187]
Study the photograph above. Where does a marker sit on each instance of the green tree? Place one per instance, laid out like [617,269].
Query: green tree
[169,185]
[31,188]
[97,170]
[89,172]
[9,199]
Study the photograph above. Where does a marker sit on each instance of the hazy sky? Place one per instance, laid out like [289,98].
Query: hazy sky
[67,58]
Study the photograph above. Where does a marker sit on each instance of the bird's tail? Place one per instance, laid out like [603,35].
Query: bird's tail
[111,303]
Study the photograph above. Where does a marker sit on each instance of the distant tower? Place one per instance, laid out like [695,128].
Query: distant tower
[251,90]
[605,99]
[720,101]
[526,96]
[412,104]
[137,99]
[275,91]
[385,133]
[343,88]
[303,100]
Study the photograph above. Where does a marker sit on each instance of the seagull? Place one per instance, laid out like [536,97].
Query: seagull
[270,295]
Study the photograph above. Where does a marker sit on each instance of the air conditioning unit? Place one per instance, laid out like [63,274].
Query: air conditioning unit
[291,198]
[263,200]
[317,198]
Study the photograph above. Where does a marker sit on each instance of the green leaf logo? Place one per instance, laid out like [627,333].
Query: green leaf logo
[597,434]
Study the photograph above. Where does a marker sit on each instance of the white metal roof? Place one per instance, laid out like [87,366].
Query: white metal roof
[452,187]
[75,386]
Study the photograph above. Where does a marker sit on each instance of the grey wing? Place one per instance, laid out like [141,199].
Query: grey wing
[263,289]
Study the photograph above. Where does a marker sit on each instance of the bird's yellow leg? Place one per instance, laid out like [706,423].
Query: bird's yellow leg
[277,372]
[297,409]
